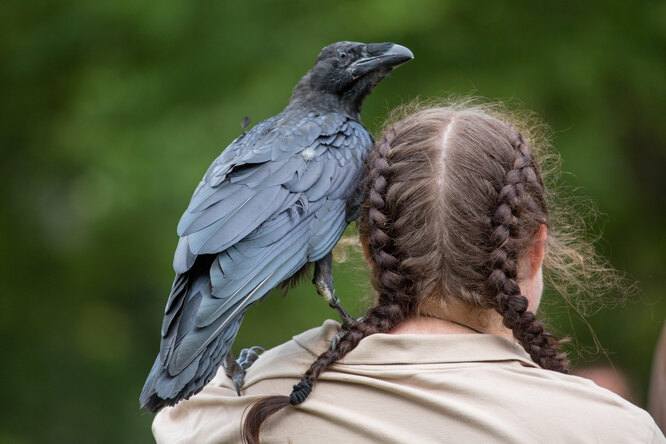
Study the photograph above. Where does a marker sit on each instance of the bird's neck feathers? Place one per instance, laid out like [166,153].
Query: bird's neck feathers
[349,101]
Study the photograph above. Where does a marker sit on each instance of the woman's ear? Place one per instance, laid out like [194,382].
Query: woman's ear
[537,250]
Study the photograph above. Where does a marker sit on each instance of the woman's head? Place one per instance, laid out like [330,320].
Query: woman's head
[454,203]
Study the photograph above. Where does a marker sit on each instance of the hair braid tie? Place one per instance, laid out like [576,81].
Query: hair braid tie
[300,392]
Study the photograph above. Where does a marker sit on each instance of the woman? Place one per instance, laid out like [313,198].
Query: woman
[455,227]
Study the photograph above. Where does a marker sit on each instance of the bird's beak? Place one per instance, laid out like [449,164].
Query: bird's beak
[381,55]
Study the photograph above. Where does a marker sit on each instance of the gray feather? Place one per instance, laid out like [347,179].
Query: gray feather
[323,185]
[193,222]
[245,219]
[183,259]
[305,178]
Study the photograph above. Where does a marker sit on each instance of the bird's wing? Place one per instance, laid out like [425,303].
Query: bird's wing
[252,225]
[234,196]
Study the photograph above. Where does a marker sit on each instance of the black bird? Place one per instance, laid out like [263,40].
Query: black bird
[277,199]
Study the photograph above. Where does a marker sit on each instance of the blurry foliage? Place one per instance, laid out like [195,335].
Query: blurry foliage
[112,111]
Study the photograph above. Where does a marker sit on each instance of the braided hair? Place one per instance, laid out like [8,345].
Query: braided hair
[453,200]
[522,188]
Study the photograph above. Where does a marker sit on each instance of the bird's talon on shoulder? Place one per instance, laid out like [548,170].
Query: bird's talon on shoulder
[235,369]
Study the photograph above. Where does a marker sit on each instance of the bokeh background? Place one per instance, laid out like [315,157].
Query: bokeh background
[110,112]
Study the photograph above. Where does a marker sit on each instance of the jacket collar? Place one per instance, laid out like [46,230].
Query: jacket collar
[417,349]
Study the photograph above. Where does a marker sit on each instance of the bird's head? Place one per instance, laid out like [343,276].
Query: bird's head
[346,72]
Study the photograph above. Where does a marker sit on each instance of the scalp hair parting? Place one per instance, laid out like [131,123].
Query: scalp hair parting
[453,198]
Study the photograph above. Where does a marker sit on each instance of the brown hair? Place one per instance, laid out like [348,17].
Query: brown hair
[454,197]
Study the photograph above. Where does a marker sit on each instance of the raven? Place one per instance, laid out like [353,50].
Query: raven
[277,199]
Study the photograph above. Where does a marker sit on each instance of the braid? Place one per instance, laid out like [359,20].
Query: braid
[388,281]
[502,279]
[391,284]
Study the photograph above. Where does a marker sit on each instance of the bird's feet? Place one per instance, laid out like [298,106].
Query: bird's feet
[347,320]
[343,331]
[336,339]
[323,282]
[235,368]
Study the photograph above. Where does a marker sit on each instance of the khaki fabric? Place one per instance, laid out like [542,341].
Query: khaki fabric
[657,394]
[469,388]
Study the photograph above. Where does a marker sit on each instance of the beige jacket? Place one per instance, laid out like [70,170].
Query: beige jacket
[469,388]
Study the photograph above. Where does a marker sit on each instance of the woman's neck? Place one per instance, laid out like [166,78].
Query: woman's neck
[454,320]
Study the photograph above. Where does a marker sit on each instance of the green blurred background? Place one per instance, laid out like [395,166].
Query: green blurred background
[112,111]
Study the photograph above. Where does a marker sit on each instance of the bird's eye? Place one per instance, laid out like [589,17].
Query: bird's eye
[342,56]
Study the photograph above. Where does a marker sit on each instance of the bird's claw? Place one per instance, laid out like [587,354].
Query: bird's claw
[347,320]
[323,282]
[343,331]
[336,338]
[235,368]
[328,294]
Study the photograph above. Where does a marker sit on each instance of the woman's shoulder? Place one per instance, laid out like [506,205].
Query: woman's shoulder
[577,405]
[215,414]
[291,358]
